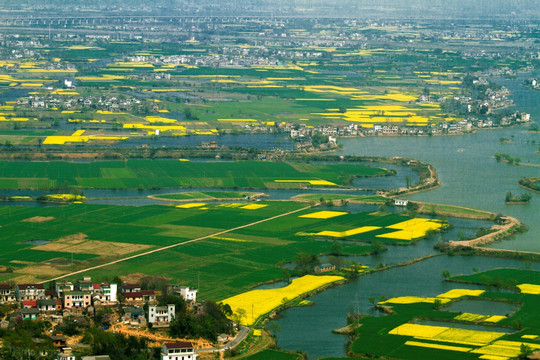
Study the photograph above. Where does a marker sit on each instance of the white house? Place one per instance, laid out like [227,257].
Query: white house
[185,292]
[161,315]
[399,202]
[188,294]
[178,351]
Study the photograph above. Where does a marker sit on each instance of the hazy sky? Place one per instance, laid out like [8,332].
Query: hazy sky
[317,8]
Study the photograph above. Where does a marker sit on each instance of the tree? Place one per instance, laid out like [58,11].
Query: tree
[378,247]
[337,248]
[525,351]
[445,274]
[305,262]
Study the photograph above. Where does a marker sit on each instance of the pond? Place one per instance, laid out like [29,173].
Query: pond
[482,307]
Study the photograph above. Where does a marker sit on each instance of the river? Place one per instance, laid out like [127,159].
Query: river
[470,176]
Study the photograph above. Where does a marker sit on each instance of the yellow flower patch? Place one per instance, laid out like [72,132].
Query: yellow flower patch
[446,334]
[105,112]
[438,346]
[351,232]
[237,120]
[231,205]
[253,206]
[493,357]
[159,119]
[64,92]
[412,229]
[190,205]
[66,197]
[531,337]
[418,331]
[311,182]
[323,214]
[457,293]
[470,317]
[529,289]
[505,348]
[494,318]
[256,303]
[228,239]
[413,300]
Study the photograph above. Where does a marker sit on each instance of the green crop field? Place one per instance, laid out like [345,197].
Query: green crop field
[150,174]
[370,199]
[225,264]
[378,337]
[272,354]
[206,195]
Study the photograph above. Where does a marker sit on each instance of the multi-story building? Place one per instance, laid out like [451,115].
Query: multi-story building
[161,315]
[178,351]
[77,299]
[185,292]
[30,292]
[105,293]
[7,294]
[62,286]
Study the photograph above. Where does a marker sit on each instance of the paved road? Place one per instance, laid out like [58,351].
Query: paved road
[242,334]
[175,245]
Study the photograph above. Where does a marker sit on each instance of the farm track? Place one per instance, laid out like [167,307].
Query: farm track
[486,239]
[174,245]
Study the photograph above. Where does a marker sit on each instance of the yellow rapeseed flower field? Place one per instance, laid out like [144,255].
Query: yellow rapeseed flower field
[323,214]
[438,346]
[159,119]
[446,334]
[341,234]
[253,206]
[190,205]
[494,318]
[250,305]
[412,229]
[457,293]
[413,300]
[509,349]
[470,317]
[311,182]
[529,289]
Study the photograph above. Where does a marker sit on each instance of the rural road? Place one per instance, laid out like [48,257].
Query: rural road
[174,245]
[242,334]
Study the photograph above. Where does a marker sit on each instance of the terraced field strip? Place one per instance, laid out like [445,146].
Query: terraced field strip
[178,244]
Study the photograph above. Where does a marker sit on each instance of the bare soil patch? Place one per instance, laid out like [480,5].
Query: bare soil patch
[78,244]
[39,219]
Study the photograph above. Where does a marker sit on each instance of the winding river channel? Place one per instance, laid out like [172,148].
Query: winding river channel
[470,176]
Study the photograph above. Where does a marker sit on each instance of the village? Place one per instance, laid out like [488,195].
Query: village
[69,307]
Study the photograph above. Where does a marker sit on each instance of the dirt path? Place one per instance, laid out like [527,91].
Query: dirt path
[486,239]
[174,245]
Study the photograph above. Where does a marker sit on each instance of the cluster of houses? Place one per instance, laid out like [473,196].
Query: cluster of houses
[104,103]
[72,297]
